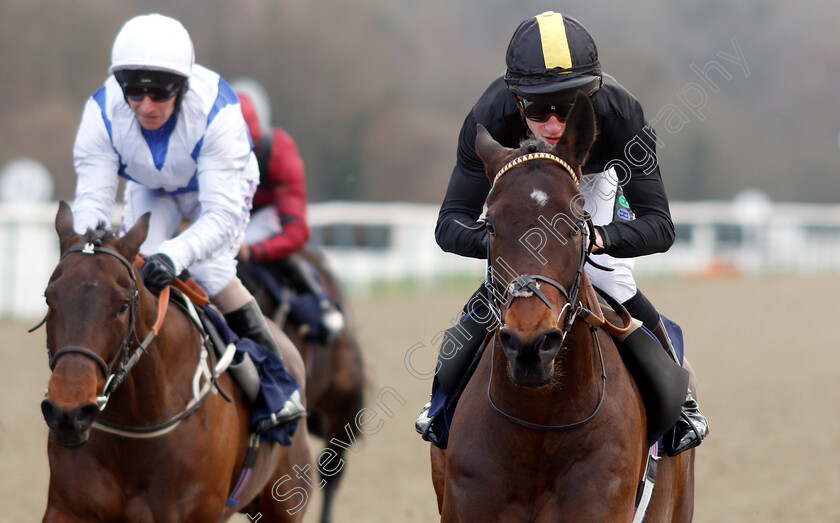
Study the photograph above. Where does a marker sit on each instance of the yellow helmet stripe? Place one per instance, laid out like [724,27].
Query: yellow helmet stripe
[554,43]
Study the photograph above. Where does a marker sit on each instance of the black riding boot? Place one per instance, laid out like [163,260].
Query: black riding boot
[304,282]
[662,383]
[692,426]
[248,322]
[457,359]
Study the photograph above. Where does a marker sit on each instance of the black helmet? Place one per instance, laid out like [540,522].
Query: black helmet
[550,57]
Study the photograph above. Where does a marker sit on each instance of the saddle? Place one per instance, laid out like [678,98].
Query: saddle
[260,374]
[304,309]
[661,383]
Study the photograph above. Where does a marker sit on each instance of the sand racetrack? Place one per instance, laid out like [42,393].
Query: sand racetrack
[763,349]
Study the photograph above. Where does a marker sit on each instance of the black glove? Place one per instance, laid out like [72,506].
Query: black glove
[605,239]
[158,272]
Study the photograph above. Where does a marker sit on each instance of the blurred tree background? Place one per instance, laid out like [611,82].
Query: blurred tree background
[375,91]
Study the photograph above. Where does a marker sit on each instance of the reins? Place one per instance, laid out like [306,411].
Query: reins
[556,428]
[209,371]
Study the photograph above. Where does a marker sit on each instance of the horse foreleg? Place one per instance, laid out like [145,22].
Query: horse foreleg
[335,431]
[339,408]
[438,457]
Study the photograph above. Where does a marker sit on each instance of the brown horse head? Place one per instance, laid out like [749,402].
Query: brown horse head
[536,224]
[91,303]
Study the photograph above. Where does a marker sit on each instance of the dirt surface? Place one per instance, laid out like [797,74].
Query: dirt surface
[764,351]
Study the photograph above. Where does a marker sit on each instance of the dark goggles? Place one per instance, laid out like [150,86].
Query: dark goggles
[158,85]
[542,111]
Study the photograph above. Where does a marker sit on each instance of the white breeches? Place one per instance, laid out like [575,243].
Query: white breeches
[599,190]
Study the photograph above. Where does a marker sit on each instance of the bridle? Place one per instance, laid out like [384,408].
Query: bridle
[116,371]
[527,285]
[118,368]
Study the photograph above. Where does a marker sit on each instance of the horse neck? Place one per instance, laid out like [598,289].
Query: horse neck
[159,384]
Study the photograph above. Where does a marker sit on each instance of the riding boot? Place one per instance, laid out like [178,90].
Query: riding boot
[248,322]
[662,382]
[305,282]
[691,427]
[458,357]
[452,374]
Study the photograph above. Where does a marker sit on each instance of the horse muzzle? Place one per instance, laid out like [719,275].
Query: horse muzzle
[531,363]
[69,427]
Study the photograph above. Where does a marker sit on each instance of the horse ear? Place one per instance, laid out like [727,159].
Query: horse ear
[130,243]
[580,129]
[64,226]
[491,152]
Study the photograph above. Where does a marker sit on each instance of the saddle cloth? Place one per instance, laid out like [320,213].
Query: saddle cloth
[276,383]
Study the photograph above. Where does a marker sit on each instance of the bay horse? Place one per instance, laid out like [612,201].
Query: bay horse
[335,375]
[551,427]
[98,310]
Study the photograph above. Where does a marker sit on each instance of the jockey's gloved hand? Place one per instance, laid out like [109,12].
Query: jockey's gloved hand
[158,272]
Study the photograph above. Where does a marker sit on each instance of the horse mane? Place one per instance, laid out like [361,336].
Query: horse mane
[102,234]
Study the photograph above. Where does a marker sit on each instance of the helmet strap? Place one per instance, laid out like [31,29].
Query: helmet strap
[185,85]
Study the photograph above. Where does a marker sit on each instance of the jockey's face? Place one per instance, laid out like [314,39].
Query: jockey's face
[550,130]
[152,115]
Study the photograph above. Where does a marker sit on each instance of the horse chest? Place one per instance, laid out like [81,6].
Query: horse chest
[540,482]
[500,471]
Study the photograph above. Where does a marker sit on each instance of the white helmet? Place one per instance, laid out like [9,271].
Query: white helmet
[154,42]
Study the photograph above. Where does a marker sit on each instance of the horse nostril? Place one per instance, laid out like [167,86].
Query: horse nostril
[52,414]
[511,342]
[84,416]
[505,337]
[550,342]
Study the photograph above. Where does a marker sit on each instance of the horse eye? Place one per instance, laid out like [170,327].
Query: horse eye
[123,307]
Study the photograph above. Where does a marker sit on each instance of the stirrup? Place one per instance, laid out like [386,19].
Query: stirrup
[292,410]
[424,426]
[689,430]
[332,321]
[423,420]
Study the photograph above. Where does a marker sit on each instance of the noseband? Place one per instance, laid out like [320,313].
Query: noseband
[527,285]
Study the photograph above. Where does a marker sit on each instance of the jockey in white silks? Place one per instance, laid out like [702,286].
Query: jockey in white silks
[175,132]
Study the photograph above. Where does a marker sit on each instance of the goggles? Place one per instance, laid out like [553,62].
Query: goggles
[542,111]
[159,86]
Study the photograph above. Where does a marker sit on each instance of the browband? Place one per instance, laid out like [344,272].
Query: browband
[537,156]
